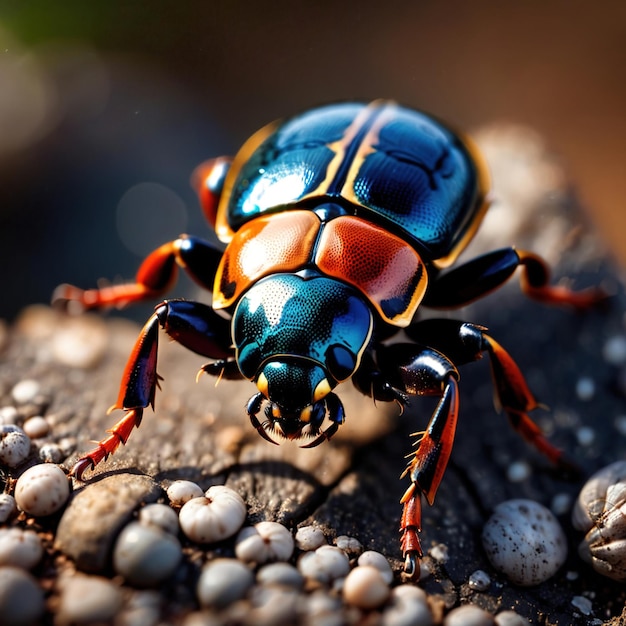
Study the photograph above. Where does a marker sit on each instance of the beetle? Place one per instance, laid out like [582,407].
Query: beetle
[340,223]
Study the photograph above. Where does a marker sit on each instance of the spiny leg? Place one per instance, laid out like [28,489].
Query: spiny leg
[192,324]
[420,370]
[485,273]
[155,276]
[463,343]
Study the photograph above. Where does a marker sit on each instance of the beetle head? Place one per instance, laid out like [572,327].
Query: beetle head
[295,389]
[297,337]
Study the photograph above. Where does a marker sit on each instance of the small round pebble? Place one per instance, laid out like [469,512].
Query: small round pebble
[511,618]
[14,445]
[146,555]
[264,542]
[583,604]
[21,598]
[8,508]
[20,548]
[479,580]
[51,453]
[217,515]
[468,615]
[365,587]
[614,350]
[87,600]
[408,606]
[349,544]
[9,415]
[161,516]
[282,574]
[518,472]
[25,391]
[309,538]
[324,565]
[181,491]
[36,427]
[524,541]
[81,341]
[42,490]
[585,388]
[379,561]
[222,582]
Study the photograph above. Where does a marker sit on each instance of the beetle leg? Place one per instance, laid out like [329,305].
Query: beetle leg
[420,370]
[155,276]
[192,324]
[464,343]
[485,273]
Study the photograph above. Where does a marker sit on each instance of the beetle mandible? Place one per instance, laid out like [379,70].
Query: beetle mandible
[339,223]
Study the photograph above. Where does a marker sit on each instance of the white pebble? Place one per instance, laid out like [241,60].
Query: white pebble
[614,350]
[524,541]
[14,445]
[213,517]
[408,607]
[42,490]
[561,503]
[468,615]
[479,580]
[585,435]
[583,604]
[379,561]
[309,538]
[8,415]
[325,564]
[87,600]
[518,472]
[323,608]
[25,391]
[282,574]
[440,553]
[181,491]
[511,618]
[222,582]
[264,542]
[21,598]
[585,388]
[161,516]
[8,508]
[365,587]
[81,341]
[349,544]
[51,453]
[20,548]
[146,555]
[36,427]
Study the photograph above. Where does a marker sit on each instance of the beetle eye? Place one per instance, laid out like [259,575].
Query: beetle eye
[321,390]
[305,414]
[262,384]
[340,362]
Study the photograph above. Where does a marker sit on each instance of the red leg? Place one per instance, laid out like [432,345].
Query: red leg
[535,280]
[192,324]
[426,469]
[516,399]
[155,276]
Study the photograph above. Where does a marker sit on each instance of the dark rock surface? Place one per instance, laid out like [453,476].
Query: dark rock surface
[351,485]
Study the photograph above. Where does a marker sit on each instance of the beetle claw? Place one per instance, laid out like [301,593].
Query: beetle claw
[81,466]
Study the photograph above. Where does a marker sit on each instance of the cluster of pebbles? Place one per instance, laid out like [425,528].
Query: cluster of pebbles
[140,549]
[128,548]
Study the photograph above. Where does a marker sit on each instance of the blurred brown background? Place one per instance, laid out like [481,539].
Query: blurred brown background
[106,107]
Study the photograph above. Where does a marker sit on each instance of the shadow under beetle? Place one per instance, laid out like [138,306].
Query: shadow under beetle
[339,223]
